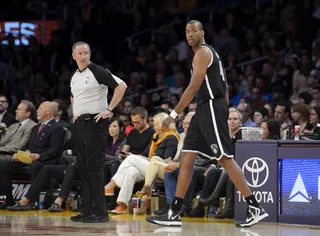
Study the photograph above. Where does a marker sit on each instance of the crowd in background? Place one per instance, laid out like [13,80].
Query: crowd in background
[272,60]
[238,32]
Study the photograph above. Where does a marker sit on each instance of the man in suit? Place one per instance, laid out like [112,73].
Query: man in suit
[46,139]
[16,138]
[6,118]
[45,143]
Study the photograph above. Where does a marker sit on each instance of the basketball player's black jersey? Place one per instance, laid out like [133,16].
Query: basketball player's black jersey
[208,132]
[215,83]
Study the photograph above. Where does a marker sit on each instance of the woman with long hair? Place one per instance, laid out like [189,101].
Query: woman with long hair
[300,116]
[116,142]
[314,118]
[133,168]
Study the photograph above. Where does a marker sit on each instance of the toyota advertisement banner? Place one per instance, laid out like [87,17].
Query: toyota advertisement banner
[259,163]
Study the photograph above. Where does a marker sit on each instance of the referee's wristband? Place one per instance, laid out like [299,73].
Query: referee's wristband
[109,110]
[174,114]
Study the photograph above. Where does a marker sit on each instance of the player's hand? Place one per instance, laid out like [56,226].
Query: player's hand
[105,114]
[167,121]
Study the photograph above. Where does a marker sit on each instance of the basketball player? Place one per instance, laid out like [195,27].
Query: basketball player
[208,131]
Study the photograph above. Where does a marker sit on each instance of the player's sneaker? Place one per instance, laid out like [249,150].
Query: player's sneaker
[170,218]
[254,216]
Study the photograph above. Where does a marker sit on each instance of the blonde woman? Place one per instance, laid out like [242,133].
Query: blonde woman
[133,168]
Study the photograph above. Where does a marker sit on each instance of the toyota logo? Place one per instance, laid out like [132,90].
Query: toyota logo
[259,171]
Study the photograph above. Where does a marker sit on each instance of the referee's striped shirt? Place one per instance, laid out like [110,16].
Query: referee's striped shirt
[89,89]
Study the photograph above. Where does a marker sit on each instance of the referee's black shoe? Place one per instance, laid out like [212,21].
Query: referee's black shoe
[93,218]
[79,217]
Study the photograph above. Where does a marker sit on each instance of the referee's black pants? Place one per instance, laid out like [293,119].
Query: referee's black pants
[90,142]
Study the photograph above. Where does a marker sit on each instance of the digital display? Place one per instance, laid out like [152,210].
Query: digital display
[300,187]
[21,30]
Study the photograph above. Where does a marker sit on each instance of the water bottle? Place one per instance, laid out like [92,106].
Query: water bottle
[296,132]
[41,199]
[69,203]
[79,202]
[74,203]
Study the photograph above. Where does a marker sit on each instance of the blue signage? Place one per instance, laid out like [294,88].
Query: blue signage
[300,187]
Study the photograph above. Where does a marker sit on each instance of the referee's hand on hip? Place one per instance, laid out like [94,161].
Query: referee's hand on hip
[104,114]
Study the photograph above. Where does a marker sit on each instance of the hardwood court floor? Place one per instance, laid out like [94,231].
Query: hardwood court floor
[45,223]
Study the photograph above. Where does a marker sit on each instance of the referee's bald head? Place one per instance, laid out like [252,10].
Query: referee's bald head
[197,23]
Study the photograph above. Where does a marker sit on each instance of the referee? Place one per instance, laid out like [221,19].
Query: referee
[89,90]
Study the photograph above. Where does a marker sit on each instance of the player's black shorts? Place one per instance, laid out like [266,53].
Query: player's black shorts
[208,132]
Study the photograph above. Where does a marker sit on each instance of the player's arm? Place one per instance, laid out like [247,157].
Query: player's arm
[201,61]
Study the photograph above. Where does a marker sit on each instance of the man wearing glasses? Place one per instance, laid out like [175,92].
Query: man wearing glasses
[140,137]
[6,118]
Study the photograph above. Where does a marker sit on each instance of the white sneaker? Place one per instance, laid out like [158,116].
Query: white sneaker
[168,219]
[254,216]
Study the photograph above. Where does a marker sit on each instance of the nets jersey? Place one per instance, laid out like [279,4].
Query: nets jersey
[214,85]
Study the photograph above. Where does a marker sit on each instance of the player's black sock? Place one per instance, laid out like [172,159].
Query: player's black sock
[251,200]
[176,204]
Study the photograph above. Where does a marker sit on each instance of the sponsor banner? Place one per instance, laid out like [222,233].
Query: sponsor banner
[19,189]
[300,187]
[259,163]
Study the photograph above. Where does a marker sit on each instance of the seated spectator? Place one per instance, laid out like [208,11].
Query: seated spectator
[217,179]
[300,116]
[314,118]
[257,98]
[61,115]
[16,138]
[282,113]
[171,174]
[246,111]
[127,106]
[125,118]
[150,121]
[139,137]
[45,145]
[65,173]
[314,103]
[270,109]
[6,118]
[192,107]
[137,141]
[133,168]
[316,92]
[270,130]
[116,142]
[167,106]
[305,98]
[260,115]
